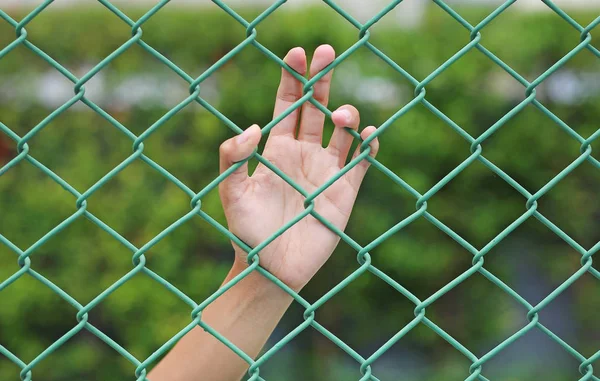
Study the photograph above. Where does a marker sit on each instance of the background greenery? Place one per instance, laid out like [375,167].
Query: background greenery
[81,147]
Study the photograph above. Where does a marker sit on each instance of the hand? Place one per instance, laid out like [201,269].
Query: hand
[256,206]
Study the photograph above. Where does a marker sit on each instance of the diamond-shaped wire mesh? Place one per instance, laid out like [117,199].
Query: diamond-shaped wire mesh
[477,368]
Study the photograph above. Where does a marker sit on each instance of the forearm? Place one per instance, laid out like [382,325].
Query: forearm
[246,315]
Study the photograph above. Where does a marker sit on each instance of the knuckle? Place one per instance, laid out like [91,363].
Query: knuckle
[312,133]
[321,98]
[287,96]
[374,147]
[225,148]
[350,108]
[310,105]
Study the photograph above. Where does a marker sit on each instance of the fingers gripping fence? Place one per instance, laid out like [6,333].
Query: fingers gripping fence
[476,370]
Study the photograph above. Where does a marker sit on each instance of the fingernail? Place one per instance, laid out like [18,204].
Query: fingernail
[243,137]
[346,115]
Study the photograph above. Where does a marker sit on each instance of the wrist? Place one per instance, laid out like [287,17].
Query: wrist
[255,285]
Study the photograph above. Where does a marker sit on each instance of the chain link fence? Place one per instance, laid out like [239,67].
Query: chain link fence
[26,263]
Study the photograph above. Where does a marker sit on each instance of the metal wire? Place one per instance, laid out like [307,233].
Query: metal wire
[476,369]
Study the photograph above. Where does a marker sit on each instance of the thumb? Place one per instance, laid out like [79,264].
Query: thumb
[234,150]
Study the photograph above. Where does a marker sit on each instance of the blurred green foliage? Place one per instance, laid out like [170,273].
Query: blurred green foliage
[81,147]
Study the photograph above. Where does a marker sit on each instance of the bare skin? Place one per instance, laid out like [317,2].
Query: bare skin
[256,206]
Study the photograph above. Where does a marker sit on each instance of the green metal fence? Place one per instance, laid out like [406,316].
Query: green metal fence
[477,369]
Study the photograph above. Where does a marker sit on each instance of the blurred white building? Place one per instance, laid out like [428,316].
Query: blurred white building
[364,8]
[409,13]
[51,89]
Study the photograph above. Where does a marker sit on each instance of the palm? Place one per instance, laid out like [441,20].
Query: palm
[270,202]
[258,206]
